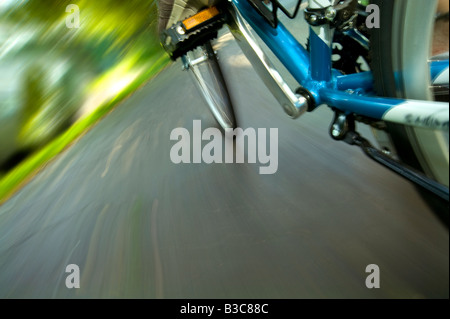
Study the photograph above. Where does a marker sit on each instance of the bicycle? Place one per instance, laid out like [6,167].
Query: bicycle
[397,97]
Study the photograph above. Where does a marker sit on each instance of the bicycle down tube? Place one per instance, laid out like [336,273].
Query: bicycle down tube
[348,93]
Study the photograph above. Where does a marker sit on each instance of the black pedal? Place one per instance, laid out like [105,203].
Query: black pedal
[192,32]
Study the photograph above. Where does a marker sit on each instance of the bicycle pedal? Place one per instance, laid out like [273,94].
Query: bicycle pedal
[192,32]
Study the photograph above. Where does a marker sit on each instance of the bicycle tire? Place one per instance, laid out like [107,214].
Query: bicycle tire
[400,69]
[212,85]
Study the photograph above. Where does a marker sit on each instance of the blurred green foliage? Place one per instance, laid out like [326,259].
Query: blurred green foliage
[54,75]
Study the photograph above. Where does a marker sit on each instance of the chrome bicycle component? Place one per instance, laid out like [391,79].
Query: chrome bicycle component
[190,63]
[330,13]
[340,16]
[180,30]
[209,79]
[292,104]
[341,126]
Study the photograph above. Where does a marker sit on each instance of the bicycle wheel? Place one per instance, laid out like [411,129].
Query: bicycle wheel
[400,51]
[211,83]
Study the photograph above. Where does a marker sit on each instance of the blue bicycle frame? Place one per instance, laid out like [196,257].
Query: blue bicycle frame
[347,93]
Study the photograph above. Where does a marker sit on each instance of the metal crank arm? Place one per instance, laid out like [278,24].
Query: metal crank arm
[293,104]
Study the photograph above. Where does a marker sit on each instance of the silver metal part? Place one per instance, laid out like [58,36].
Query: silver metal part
[180,30]
[340,127]
[188,62]
[200,59]
[385,143]
[292,104]
[330,14]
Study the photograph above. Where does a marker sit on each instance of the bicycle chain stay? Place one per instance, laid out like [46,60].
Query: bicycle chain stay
[343,128]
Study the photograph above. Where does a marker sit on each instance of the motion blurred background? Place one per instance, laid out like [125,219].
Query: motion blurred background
[53,76]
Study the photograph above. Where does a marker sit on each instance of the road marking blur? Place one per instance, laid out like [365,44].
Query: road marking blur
[108,161]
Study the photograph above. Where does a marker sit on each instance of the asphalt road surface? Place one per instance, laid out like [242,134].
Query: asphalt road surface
[138,225]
